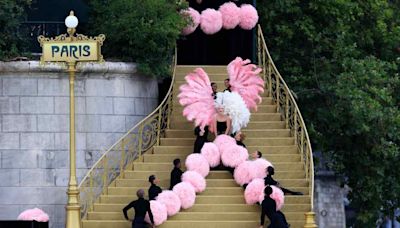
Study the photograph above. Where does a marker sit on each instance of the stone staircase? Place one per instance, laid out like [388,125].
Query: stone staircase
[222,204]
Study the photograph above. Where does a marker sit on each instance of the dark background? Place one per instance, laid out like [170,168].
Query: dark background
[218,49]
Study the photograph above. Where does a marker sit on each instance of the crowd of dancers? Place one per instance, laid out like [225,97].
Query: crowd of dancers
[218,113]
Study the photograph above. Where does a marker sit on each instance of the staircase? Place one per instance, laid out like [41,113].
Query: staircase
[222,203]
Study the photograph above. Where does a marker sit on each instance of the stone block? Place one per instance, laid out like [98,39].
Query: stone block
[99,105]
[9,177]
[61,105]
[144,106]
[61,141]
[19,123]
[105,87]
[131,121]
[9,212]
[88,123]
[53,87]
[125,106]
[20,86]
[37,105]
[54,159]
[24,159]
[9,141]
[37,141]
[38,177]
[53,123]
[62,176]
[9,105]
[143,88]
[32,195]
[101,141]
[113,124]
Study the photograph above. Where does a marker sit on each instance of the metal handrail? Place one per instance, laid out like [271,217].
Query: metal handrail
[130,147]
[287,106]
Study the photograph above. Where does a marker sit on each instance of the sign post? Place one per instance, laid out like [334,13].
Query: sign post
[71,49]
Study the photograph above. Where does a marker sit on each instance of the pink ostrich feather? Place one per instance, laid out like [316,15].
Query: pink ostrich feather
[234,155]
[211,153]
[211,21]
[244,79]
[248,17]
[222,141]
[254,191]
[186,193]
[34,215]
[197,163]
[260,166]
[159,212]
[244,173]
[196,98]
[230,15]
[195,179]
[171,201]
[193,18]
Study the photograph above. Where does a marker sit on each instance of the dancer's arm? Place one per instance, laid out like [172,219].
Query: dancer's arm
[228,126]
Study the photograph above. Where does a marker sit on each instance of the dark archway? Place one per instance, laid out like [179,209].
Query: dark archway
[218,49]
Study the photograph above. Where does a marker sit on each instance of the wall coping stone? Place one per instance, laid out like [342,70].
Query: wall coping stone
[99,68]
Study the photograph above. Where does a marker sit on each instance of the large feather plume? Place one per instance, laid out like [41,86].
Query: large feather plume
[235,107]
[196,97]
[244,79]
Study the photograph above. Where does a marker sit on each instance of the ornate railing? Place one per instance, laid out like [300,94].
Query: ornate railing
[142,137]
[287,107]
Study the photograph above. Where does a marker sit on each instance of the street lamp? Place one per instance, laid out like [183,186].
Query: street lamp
[71,49]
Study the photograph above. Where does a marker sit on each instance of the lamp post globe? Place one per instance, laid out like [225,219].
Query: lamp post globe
[71,21]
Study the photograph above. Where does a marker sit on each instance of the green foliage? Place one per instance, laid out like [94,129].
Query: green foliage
[12,13]
[340,58]
[144,31]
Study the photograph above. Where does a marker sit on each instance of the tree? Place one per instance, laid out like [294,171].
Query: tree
[140,31]
[12,13]
[340,59]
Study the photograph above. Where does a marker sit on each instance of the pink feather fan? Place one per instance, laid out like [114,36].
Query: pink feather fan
[233,155]
[186,193]
[195,179]
[260,166]
[244,173]
[196,97]
[211,153]
[197,163]
[254,191]
[171,201]
[230,15]
[193,18]
[244,79]
[34,215]
[211,21]
[159,212]
[248,17]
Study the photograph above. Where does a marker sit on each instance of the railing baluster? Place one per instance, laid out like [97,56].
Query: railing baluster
[287,108]
[159,126]
[295,126]
[140,139]
[122,161]
[105,174]
[278,90]
[270,78]
[91,192]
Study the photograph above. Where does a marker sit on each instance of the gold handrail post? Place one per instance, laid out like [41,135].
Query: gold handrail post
[122,162]
[91,191]
[140,134]
[287,109]
[278,92]
[159,125]
[105,176]
[269,69]
[296,126]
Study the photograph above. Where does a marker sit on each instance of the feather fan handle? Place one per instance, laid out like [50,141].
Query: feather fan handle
[196,98]
[244,79]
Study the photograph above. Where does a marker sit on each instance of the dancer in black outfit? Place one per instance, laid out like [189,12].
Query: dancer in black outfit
[239,137]
[176,173]
[269,180]
[154,190]
[227,85]
[141,206]
[214,88]
[268,208]
[201,138]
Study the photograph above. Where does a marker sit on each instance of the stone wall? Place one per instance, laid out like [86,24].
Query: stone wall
[34,127]
[329,202]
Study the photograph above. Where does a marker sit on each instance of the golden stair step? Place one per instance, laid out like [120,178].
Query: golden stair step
[211,191]
[263,149]
[166,174]
[157,166]
[256,133]
[251,125]
[178,109]
[253,117]
[250,141]
[209,69]
[205,199]
[170,157]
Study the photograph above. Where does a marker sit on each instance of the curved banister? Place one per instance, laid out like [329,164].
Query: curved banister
[287,106]
[142,137]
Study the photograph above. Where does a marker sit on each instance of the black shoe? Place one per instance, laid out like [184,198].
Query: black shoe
[297,193]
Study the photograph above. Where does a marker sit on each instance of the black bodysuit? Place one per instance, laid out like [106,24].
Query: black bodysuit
[221,127]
